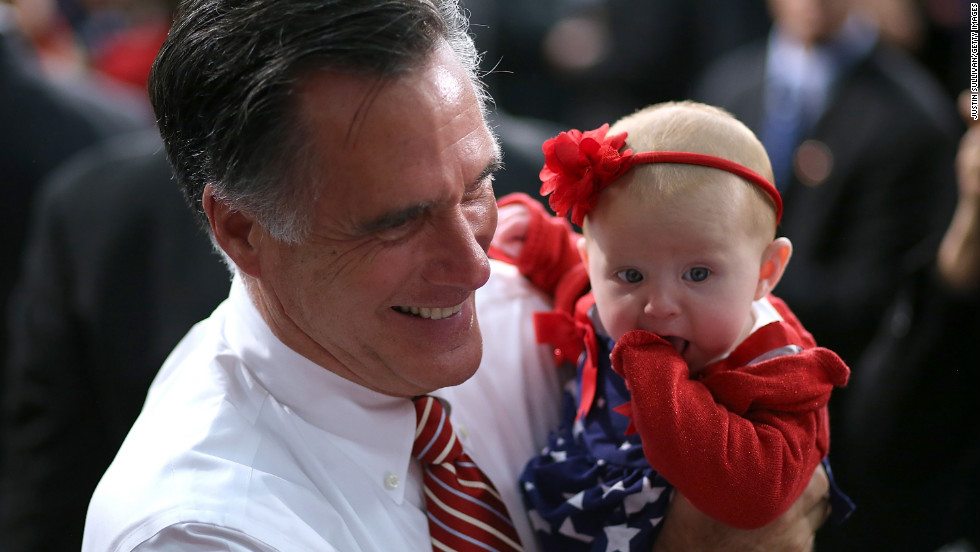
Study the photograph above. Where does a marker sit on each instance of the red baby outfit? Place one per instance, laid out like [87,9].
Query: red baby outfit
[741,440]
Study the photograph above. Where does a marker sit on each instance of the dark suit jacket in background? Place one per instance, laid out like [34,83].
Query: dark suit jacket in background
[910,424]
[42,123]
[856,235]
[892,135]
[116,271]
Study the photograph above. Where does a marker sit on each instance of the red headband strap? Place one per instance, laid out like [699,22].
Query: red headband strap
[688,158]
[578,165]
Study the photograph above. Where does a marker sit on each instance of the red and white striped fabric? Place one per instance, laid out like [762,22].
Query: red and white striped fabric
[465,511]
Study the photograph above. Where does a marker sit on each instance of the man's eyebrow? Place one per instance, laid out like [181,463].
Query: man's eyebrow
[496,164]
[394,218]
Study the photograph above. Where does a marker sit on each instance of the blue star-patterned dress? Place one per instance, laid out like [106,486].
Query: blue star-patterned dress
[592,489]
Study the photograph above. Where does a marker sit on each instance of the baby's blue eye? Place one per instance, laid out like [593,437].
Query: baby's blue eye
[630,275]
[697,274]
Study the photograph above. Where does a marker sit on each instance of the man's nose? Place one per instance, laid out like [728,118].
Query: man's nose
[460,257]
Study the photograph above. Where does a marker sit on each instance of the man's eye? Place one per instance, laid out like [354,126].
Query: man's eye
[397,229]
[480,188]
[697,274]
[630,275]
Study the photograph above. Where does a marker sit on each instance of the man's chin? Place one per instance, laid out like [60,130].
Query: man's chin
[457,366]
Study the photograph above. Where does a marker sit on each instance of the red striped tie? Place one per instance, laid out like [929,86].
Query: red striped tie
[465,510]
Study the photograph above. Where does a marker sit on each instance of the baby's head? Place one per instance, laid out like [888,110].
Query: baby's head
[682,250]
[703,129]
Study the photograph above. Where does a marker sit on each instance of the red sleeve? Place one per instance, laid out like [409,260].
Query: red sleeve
[550,251]
[743,469]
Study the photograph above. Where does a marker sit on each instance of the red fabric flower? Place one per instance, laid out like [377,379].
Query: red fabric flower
[577,165]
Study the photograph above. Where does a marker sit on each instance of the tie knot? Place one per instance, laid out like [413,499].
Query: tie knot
[435,440]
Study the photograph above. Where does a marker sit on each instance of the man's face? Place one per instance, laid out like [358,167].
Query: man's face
[810,22]
[382,291]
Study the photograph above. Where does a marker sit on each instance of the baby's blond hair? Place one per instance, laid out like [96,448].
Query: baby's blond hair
[699,128]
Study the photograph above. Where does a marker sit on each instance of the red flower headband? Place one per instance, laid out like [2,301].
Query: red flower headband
[578,165]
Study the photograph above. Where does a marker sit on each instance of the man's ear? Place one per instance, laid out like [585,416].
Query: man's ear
[235,232]
[774,261]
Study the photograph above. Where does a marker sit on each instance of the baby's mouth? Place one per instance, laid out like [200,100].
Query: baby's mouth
[679,344]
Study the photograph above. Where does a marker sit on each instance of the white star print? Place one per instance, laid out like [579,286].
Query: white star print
[618,486]
[576,500]
[635,502]
[618,538]
[538,522]
[569,531]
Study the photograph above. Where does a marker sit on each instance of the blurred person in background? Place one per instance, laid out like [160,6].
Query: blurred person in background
[862,141]
[43,121]
[559,63]
[581,63]
[554,64]
[935,32]
[115,272]
[48,31]
[867,138]
[124,36]
[909,426]
[112,42]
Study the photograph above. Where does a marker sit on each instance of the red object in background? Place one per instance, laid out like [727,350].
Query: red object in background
[127,56]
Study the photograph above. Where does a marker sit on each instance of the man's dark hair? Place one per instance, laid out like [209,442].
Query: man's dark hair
[223,88]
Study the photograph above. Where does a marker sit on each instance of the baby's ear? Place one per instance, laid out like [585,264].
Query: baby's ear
[774,261]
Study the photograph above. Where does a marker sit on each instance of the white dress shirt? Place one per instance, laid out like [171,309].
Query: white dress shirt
[243,444]
[812,72]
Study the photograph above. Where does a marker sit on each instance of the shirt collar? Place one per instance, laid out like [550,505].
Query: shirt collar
[813,71]
[374,429]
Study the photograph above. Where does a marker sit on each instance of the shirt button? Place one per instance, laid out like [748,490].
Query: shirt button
[463,433]
[391,481]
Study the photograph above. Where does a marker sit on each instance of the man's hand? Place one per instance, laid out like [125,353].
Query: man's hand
[686,529]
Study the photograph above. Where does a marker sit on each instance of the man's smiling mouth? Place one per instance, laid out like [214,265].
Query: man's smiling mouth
[431,313]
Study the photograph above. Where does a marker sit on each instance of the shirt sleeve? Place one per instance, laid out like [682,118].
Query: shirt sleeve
[203,537]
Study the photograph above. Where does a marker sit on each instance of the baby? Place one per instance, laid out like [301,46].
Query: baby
[679,335]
